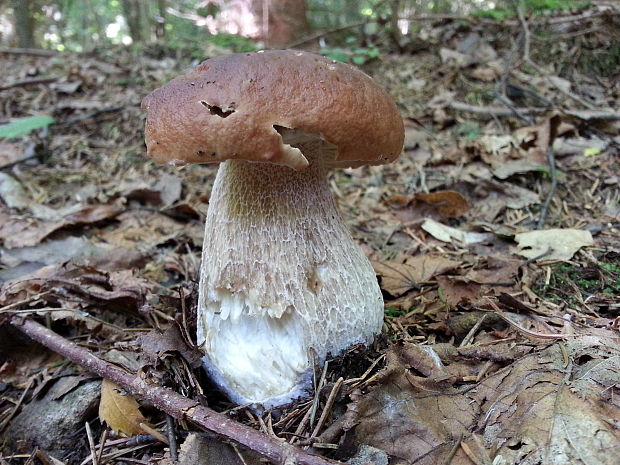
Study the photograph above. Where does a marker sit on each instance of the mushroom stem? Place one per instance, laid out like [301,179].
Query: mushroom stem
[283,284]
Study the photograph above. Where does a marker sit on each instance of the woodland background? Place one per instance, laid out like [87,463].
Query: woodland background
[495,236]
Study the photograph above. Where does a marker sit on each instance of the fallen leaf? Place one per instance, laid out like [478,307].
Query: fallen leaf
[199,450]
[447,234]
[155,345]
[578,145]
[12,193]
[399,278]
[488,72]
[508,168]
[552,244]
[121,412]
[450,204]
[494,270]
[24,231]
[79,250]
[536,405]
[119,290]
[457,292]
[10,151]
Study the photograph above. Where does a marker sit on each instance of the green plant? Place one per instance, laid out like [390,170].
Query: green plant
[567,279]
[529,7]
[22,126]
[353,54]
[234,42]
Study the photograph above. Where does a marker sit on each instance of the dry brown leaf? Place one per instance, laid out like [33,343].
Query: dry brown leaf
[24,231]
[450,204]
[399,278]
[10,151]
[458,292]
[156,345]
[494,270]
[83,285]
[552,244]
[550,405]
[447,234]
[120,412]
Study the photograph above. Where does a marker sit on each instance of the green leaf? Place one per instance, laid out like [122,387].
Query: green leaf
[336,54]
[24,125]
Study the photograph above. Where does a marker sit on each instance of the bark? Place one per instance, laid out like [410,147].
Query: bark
[24,23]
[134,11]
[160,21]
[282,21]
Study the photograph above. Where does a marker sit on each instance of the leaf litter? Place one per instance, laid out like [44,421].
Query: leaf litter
[487,356]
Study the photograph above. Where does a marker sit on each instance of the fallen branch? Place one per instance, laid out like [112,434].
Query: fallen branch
[494,110]
[30,51]
[170,402]
[29,82]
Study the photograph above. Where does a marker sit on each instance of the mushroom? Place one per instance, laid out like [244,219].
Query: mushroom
[282,283]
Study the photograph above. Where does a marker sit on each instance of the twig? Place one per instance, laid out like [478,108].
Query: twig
[91,443]
[521,329]
[11,164]
[473,331]
[515,111]
[323,33]
[452,453]
[6,421]
[167,400]
[494,110]
[94,114]
[587,115]
[554,185]
[318,385]
[102,440]
[28,82]
[29,51]
[172,438]
[328,406]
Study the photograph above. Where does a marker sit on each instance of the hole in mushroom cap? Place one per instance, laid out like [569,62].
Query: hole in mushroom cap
[302,144]
[218,111]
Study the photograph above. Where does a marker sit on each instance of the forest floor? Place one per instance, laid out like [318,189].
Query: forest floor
[495,237]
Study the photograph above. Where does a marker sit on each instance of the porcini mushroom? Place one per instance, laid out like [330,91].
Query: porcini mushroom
[282,283]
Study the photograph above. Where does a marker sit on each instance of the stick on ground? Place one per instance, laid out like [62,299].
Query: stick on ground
[168,401]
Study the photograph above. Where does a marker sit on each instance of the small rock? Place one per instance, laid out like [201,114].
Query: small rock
[368,455]
[52,421]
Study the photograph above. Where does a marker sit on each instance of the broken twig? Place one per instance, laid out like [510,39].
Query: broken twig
[169,401]
[554,184]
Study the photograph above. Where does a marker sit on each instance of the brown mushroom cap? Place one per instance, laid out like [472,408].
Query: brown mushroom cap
[231,106]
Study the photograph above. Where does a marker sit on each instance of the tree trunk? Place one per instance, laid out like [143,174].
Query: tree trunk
[132,13]
[160,20]
[282,21]
[24,23]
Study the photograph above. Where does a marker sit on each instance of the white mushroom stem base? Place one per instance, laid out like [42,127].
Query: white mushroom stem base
[282,282]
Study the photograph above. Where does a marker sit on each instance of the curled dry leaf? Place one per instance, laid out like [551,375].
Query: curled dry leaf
[447,234]
[82,285]
[121,412]
[450,204]
[22,231]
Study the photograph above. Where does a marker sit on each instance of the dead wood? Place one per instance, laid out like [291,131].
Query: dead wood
[168,401]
